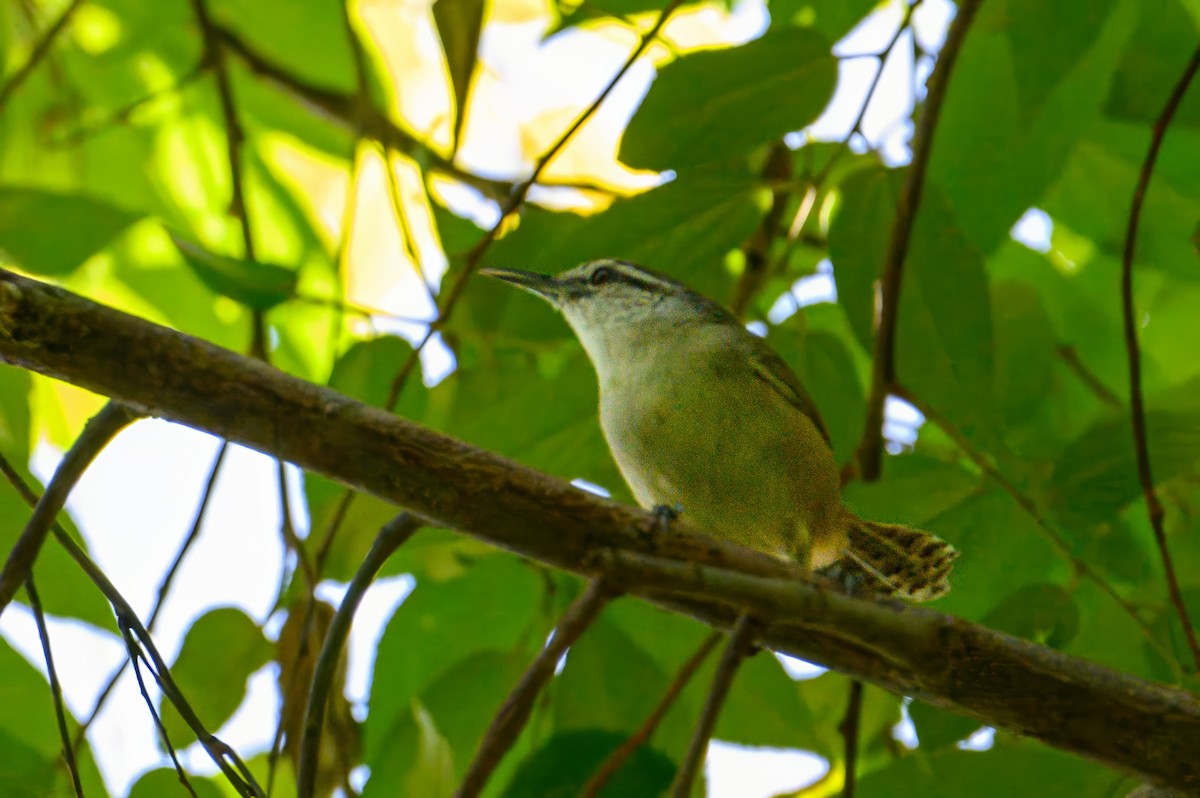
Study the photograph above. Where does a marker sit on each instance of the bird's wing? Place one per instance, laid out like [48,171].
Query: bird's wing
[775,372]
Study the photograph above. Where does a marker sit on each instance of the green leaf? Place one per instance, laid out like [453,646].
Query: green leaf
[1093,195]
[562,438]
[15,434]
[308,40]
[609,682]
[24,773]
[1152,62]
[459,23]
[491,607]
[415,761]
[944,338]
[164,782]
[1044,69]
[562,767]
[30,747]
[1001,549]
[1042,612]
[63,588]
[259,286]
[465,698]
[858,240]
[1025,347]
[937,728]
[833,18]
[53,234]
[764,708]
[1096,475]
[221,651]
[951,773]
[712,105]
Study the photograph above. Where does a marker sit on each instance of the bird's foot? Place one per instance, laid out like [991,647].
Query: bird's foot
[665,514]
[849,580]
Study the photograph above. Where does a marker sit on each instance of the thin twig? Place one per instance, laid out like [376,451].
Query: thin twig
[1070,355]
[813,185]
[164,588]
[60,712]
[849,728]
[741,641]
[98,124]
[391,536]
[225,758]
[38,53]
[1137,410]
[136,654]
[882,57]
[235,137]
[617,759]
[100,429]
[472,259]
[883,368]
[1030,508]
[407,239]
[506,726]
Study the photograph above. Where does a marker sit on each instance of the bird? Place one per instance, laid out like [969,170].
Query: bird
[702,415]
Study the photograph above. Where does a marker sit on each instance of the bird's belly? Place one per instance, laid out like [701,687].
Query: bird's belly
[738,474]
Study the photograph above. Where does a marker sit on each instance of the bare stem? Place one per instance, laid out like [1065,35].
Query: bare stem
[741,641]
[1137,410]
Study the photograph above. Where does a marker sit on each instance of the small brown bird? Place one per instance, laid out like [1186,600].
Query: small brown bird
[701,414]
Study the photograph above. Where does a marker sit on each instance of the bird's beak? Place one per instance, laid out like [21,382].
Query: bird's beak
[548,288]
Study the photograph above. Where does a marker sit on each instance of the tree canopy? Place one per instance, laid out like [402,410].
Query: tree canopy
[293,181]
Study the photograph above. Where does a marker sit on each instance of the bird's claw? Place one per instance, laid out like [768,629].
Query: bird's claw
[665,514]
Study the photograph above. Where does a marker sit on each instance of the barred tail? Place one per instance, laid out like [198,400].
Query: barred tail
[896,560]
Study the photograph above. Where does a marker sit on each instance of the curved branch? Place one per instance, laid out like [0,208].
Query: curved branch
[394,534]
[1137,410]
[1078,706]
[100,429]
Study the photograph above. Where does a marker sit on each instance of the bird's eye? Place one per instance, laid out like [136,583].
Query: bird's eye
[600,276]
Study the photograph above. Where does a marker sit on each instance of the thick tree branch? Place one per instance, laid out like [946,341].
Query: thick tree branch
[1079,706]
[1137,410]
[883,369]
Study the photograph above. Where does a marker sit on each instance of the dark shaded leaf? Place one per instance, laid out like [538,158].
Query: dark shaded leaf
[937,728]
[221,651]
[260,286]
[53,234]
[712,105]
[492,607]
[1042,612]
[164,782]
[561,767]
[459,23]
[950,773]
[1045,70]
[833,18]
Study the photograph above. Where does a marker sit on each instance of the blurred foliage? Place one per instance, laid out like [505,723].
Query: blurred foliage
[115,180]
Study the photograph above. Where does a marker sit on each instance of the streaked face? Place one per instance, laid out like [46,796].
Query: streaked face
[613,305]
